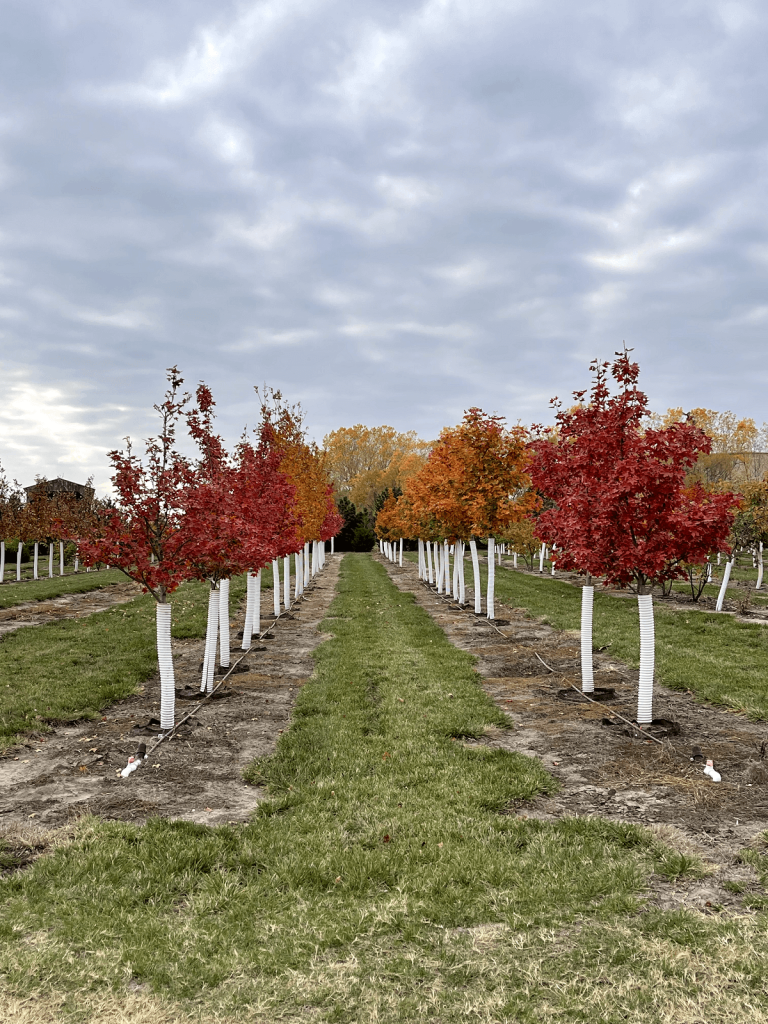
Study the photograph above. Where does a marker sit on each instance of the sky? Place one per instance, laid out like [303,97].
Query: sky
[390,210]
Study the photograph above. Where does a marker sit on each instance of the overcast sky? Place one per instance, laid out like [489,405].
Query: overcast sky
[391,210]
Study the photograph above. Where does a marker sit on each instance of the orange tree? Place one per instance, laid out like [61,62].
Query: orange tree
[304,464]
[475,484]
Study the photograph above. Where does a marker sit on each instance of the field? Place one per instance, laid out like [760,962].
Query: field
[414,855]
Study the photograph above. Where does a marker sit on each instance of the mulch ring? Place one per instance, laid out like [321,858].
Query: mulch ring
[604,765]
[53,778]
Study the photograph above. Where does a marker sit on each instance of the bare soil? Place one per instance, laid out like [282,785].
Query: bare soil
[602,770]
[53,779]
[67,606]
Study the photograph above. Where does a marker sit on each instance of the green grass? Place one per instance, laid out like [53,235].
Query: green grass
[43,589]
[72,669]
[720,660]
[380,880]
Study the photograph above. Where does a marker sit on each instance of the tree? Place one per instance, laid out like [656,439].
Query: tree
[475,484]
[621,506]
[734,455]
[364,461]
[141,534]
[11,513]
[356,533]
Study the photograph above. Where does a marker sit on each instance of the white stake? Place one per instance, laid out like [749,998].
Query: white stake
[211,636]
[2,561]
[759,566]
[19,551]
[541,557]
[476,577]
[647,655]
[462,586]
[276,585]
[489,602]
[61,558]
[35,562]
[514,559]
[306,564]
[257,603]
[447,562]
[332,544]
[428,545]
[287,581]
[224,623]
[587,675]
[50,561]
[401,552]
[165,663]
[724,584]
[248,624]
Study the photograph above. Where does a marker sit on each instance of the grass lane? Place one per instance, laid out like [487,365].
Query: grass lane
[720,660]
[44,589]
[353,893]
[72,669]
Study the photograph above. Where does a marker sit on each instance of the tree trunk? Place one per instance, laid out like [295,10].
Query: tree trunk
[759,566]
[61,558]
[462,581]
[431,574]
[224,623]
[248,624]
[287,581]
[514,559]
[34,569]
[541,557]
[276,586]
[476,577]
[211,636]
[332,544]
[306,564]
[552,565]
[724,584]
[456,565]
[50,561]
[647,654]
[447,563]
[490,604]
[587,601]
[19,551]
[298,573]
[165,663]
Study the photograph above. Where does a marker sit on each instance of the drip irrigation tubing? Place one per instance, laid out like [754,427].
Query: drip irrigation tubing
[610,711]
[170,734]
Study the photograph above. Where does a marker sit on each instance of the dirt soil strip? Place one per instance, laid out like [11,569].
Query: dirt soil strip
[67,606]
[196,775]
[604,772]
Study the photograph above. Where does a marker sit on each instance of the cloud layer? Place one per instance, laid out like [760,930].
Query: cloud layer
[391,210]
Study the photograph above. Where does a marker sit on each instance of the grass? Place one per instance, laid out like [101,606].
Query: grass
[44,589]
[381,880]
[717,658]
[73,668]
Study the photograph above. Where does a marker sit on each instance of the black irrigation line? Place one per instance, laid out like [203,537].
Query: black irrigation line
[633,725]
[170,734]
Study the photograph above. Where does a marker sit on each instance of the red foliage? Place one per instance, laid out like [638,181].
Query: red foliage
[239,514]
[146,518]
[622,510]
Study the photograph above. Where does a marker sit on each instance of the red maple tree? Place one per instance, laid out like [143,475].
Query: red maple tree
[621,506]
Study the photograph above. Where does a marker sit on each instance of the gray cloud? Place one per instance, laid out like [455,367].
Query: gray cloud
[391,210]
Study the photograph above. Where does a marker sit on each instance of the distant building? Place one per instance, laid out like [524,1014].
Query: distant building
[59,486]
